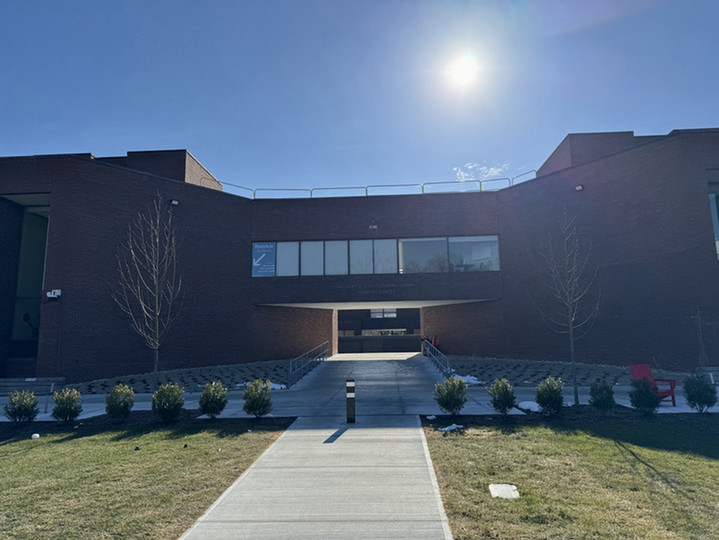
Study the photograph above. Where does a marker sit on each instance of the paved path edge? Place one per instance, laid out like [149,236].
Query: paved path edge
[435,486]
[225,493]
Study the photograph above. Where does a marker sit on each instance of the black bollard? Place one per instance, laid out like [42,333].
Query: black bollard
[350,386]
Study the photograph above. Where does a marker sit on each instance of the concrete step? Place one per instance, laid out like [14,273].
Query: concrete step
[40,385]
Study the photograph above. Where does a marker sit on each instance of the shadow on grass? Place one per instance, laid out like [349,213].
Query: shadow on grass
[138,424]
[690,433]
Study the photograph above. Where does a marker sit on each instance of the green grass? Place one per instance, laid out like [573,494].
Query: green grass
[581,476]
[138,479]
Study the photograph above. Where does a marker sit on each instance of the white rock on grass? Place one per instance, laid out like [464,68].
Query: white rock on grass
[529,406]
[431,417]
[35,436]
[504,491]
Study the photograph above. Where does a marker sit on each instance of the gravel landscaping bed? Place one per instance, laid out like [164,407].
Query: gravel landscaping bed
[531,372]
[194,379]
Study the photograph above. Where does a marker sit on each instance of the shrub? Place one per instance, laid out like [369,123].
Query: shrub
[644,396]
[449,395]
[601,395]
[213,399]
[257,398]
[167,402]
[549,395]
[119,401]
[502,393]
[21,406]
[67,405]
[700,393]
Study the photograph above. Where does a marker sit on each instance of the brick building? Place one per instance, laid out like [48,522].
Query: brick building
[266,278]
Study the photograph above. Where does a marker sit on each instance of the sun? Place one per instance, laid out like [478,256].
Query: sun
[463,72]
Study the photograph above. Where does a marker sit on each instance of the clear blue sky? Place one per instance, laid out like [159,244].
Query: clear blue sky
[307,93]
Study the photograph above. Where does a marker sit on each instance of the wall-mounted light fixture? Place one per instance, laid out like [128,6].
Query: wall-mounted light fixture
[174,202]
[579,187]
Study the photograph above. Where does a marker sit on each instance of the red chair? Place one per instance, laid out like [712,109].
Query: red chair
[643,371]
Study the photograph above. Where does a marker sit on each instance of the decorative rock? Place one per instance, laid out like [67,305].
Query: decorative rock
[35,436]
[504,491]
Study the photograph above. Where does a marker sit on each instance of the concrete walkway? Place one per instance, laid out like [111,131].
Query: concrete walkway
[324,478]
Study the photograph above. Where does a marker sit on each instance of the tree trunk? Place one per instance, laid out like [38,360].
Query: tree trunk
[574,365]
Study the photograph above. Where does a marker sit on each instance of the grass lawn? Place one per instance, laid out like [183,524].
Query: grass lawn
[137,479]
[581,475]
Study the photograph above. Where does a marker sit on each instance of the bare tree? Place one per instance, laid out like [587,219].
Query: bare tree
[573,299]
[149,286]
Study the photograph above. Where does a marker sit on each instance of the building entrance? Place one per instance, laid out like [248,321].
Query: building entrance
[379,330]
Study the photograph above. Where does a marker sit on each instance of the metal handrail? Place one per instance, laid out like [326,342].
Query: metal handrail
[394,186]
[239,186]
[487,180]
[306,362]
[282,189]
[480,182]
[524,174]
[312,191]
[438,358]
[456,182]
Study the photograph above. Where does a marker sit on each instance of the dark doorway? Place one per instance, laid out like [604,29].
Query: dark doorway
[378,330]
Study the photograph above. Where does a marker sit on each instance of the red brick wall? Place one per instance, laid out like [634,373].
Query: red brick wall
[647,213]
[85,335]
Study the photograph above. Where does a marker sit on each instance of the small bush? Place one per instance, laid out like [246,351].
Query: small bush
[119,402]
[549,395]
[213,399]
[258,401]
[167,402]
[503,398]
[644,397]
[67,405]
[601,395]
[700,393]
[449,395]
[21,406]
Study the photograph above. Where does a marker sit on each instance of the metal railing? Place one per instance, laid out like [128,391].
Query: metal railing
[438,358]
[486,184]
[306,362]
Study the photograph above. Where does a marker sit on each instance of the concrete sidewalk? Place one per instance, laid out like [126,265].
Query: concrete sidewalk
[324,478]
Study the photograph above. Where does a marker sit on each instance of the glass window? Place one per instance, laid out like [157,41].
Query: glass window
[385,256]
[423,255]
[288,258]
[383,313]
[360,256]
[473,253]
[312,258]
[336,257]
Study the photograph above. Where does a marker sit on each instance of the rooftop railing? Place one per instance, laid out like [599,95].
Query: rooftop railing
[449,186]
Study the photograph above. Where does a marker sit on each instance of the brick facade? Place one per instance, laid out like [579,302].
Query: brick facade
[643,204]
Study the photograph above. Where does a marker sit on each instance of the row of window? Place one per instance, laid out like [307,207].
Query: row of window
[386,256]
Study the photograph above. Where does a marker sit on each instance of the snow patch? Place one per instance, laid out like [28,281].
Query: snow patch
[529,406]
[469,379]
[450,428]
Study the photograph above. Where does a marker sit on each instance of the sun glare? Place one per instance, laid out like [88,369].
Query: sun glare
[463,71]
